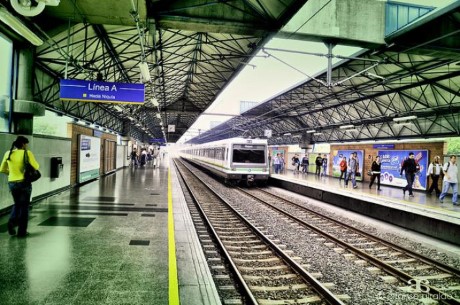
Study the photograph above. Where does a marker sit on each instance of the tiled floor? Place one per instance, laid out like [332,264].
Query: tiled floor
[103,243]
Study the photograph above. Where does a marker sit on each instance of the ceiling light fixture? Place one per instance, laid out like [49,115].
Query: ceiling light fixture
[347,126]
[19,27]
[317,133]
[311,131]
[405,118]
[287,134]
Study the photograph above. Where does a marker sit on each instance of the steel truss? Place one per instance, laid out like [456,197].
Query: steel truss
[401,85]
[184,43]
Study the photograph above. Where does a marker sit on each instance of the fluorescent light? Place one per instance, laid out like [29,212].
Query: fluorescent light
[403,124]
[311,131]
[317,133]
[354,129]
[287,134]
[145,73]
[347,126]
[158,116]
[154,102]
[405,118]
[19,27]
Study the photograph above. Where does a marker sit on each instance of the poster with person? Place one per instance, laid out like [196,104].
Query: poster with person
[337,156]
[392,161]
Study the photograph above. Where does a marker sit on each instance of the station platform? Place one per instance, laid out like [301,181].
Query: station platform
[126,238]
[422,213]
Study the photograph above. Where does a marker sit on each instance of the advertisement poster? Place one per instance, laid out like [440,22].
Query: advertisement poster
[392,161]
[88,157]
[312,162]
[337,157]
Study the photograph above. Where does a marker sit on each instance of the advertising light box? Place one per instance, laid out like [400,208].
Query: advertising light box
[89,159]
[392,161]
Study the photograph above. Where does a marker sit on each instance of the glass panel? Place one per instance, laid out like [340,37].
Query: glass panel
[248,156]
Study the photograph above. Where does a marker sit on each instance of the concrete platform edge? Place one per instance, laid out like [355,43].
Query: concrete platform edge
[437,228]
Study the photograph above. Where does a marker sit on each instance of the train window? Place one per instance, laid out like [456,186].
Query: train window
[218,153]
[255,154]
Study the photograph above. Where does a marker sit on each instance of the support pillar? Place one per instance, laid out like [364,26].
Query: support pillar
[24,108]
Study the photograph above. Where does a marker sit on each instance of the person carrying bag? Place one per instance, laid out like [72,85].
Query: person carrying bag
[22,168]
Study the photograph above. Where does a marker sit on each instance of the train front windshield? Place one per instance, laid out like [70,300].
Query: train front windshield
[249,154]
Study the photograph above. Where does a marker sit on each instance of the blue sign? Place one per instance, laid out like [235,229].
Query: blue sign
[97,133]
[159,140]
[392,161]
[383,146]
[101,92]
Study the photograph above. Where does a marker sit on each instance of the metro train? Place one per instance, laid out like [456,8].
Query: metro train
[236,160]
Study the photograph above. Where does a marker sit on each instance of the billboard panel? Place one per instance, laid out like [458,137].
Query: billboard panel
[392,161]
[88,158]
[337,157]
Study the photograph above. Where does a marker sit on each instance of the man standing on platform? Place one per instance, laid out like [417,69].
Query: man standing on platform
[318,162]
[409,167]
[450,180]
[353,168]
[434,171]
[277,163]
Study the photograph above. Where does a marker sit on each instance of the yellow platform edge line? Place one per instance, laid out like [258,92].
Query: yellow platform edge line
[172,261]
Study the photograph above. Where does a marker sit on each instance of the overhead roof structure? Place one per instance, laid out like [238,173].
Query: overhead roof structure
[193,50]
[408,89]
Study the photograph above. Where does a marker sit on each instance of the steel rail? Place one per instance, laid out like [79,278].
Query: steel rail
[233,267]
[328,296]
[444,298]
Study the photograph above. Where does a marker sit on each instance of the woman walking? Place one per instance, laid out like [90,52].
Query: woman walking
[13,166]
[375,169]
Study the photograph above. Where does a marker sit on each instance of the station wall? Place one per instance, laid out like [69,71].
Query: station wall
[434,149]
[43,148]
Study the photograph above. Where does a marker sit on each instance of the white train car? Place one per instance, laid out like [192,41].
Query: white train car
[236,160]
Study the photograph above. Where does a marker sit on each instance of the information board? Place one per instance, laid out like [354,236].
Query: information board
[102,92]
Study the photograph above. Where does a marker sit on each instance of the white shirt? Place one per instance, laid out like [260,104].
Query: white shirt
[452,173]
[276,160]
[436,167]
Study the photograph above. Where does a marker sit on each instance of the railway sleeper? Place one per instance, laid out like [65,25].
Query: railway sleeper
[306,300]
[250,253]
[271,277]
[263,260]
[261,246]
[279,267]
[233,302]
[434,276]
[401,261]
[280,288]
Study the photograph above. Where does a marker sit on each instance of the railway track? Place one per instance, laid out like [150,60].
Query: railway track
[421,273]
[267,274]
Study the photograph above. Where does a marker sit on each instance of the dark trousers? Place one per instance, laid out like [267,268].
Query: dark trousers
[318,170]
[434,185]
[373,179]
[410,181]
[19,216]
[343,174]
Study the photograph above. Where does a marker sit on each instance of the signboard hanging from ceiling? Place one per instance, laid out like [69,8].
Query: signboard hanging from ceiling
[101,92]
